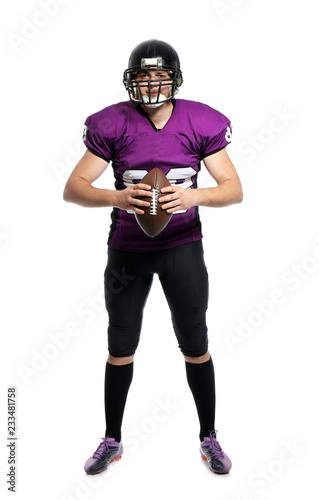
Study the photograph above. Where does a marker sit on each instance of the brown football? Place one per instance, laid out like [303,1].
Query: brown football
[154,219]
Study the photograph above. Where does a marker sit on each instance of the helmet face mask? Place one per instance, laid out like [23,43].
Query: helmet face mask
[153,90]
[155,58]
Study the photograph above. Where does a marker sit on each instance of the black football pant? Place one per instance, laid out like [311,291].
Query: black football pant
[182,273]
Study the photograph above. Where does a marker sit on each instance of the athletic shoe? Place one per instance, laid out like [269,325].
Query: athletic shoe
[212,452]
[108,451]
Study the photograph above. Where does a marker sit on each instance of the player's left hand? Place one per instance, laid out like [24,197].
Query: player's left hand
[177,199]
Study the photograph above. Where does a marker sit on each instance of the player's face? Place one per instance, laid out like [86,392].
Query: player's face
[152,82]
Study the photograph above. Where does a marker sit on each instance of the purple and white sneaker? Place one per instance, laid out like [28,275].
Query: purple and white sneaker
[212,452]
[108,451]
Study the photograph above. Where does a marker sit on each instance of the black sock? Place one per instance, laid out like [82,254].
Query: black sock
[201,381]
[117,383]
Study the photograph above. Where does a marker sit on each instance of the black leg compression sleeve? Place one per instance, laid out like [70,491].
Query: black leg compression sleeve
[117,383]
[201,380]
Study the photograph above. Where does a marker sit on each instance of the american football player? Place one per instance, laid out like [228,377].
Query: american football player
[155,129]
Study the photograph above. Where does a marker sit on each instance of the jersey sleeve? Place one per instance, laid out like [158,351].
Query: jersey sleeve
[217,134]
[95,141]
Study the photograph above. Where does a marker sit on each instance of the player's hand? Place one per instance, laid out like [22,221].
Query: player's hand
[176,198]
[127,199]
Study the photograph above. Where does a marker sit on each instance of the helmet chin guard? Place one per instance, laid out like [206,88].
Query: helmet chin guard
[153,55]
[155,101]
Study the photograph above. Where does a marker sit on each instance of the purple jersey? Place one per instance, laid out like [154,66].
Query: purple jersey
[122,133]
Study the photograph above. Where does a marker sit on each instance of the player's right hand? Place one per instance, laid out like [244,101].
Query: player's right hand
[128,198]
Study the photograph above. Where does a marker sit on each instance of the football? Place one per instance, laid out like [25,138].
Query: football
[154,219]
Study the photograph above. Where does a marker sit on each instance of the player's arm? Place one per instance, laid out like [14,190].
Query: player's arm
[79,189]
[227,191]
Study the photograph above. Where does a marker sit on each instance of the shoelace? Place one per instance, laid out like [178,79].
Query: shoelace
[214,445]
[104,446]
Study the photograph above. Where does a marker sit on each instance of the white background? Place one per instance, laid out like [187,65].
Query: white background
[255,62]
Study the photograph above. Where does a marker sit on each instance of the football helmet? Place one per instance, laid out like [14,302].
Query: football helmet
[153,55]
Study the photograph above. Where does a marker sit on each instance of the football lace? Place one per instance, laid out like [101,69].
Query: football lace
[154,201]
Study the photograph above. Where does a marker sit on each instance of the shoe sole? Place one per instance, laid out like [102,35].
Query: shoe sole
[102,470]
[215,471]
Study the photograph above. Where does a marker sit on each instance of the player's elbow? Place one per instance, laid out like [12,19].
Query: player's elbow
[240,195]
[67,195]
[235,191]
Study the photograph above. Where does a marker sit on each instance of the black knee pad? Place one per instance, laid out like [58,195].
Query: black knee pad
[123,341]
[192,339]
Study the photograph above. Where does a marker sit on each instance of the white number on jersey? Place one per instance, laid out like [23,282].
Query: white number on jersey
[228,135]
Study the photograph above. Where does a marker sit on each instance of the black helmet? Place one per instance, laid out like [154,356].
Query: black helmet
[153,55]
